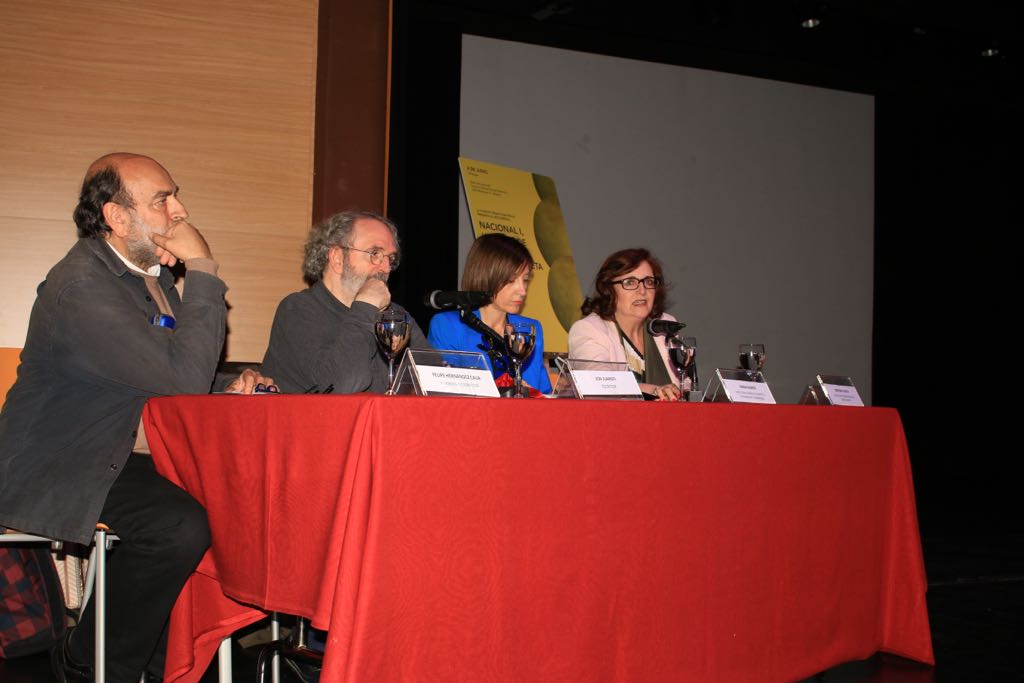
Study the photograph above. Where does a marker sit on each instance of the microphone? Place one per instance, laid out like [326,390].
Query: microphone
[666,327]
[441,301]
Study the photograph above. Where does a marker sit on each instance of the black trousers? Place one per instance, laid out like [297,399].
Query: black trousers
[163,533]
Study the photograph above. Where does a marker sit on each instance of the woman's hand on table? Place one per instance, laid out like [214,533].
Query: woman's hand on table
[663,392]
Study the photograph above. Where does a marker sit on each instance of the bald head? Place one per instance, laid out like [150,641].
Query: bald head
[125,164]
[110,179]
[112,161]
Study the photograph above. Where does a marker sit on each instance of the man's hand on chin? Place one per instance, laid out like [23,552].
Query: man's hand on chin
[181,242]
[374,292]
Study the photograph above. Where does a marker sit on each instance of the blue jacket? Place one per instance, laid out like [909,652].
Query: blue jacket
[447,331]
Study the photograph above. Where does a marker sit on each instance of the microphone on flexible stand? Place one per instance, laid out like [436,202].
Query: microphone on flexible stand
[466,302]
[442,301]
[668,328]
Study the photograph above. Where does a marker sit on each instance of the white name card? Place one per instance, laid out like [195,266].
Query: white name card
[436,379]
[606,383]
[841,395]
[748,392]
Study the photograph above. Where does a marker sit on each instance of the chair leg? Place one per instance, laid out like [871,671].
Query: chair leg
[293,652]
[275,635]
[224,661]
[100,553]
[268,652]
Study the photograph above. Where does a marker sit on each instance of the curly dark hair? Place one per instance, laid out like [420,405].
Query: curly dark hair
[105,185]
[335,231]
[614,267]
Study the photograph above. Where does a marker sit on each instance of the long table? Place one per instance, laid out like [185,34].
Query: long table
[540,540]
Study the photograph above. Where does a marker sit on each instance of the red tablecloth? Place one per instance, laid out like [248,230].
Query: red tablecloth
[480,539]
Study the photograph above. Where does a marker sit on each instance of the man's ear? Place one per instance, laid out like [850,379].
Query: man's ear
[117,218]
[336,259]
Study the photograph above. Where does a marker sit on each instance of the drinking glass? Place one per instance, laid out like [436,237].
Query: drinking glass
[519,337]
[392,330]
[752,357]
[683,353]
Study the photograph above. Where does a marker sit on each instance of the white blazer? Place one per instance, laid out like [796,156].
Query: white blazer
[594,338]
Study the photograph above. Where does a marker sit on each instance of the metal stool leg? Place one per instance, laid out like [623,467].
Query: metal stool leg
[275,634]
[294,652]
[271,651]
[95,581]
[100,554]
[224,661]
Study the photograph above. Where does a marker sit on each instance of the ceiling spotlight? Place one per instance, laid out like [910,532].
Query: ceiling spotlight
[990,52]
[811,22]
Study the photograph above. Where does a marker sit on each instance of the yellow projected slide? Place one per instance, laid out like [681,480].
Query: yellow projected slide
[525,206]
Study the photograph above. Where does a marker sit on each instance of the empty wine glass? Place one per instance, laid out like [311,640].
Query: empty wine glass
[392,330]
[752,357]
[520,337]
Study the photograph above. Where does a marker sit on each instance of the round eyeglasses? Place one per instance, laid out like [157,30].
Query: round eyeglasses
[377,256]
[649,282]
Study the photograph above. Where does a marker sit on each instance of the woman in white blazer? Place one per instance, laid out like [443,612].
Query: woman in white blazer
[629,290]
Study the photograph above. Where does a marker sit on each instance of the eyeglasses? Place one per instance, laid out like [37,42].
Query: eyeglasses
[650,282]
[377,256]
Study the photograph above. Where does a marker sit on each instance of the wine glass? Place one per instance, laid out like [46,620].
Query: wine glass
[690,343]
[392,330]
[682,353]
[752,357]
[520,337]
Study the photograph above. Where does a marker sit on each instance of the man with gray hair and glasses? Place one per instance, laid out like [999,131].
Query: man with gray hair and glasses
[322,338]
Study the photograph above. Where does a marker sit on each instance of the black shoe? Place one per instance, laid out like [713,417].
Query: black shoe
[64,667]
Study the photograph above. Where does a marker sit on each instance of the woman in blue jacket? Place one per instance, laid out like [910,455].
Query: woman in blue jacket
[502,267]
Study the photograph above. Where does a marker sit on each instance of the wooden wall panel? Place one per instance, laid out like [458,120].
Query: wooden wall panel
[352,107]
[221,93]
[28,248]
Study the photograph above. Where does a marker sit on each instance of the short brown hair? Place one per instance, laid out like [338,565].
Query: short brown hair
[493,261]
[615,266]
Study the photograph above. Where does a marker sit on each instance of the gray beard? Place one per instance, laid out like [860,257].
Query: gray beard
[140,252]
[352,283]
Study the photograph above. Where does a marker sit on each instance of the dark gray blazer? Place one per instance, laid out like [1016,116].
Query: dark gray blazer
[91,360]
